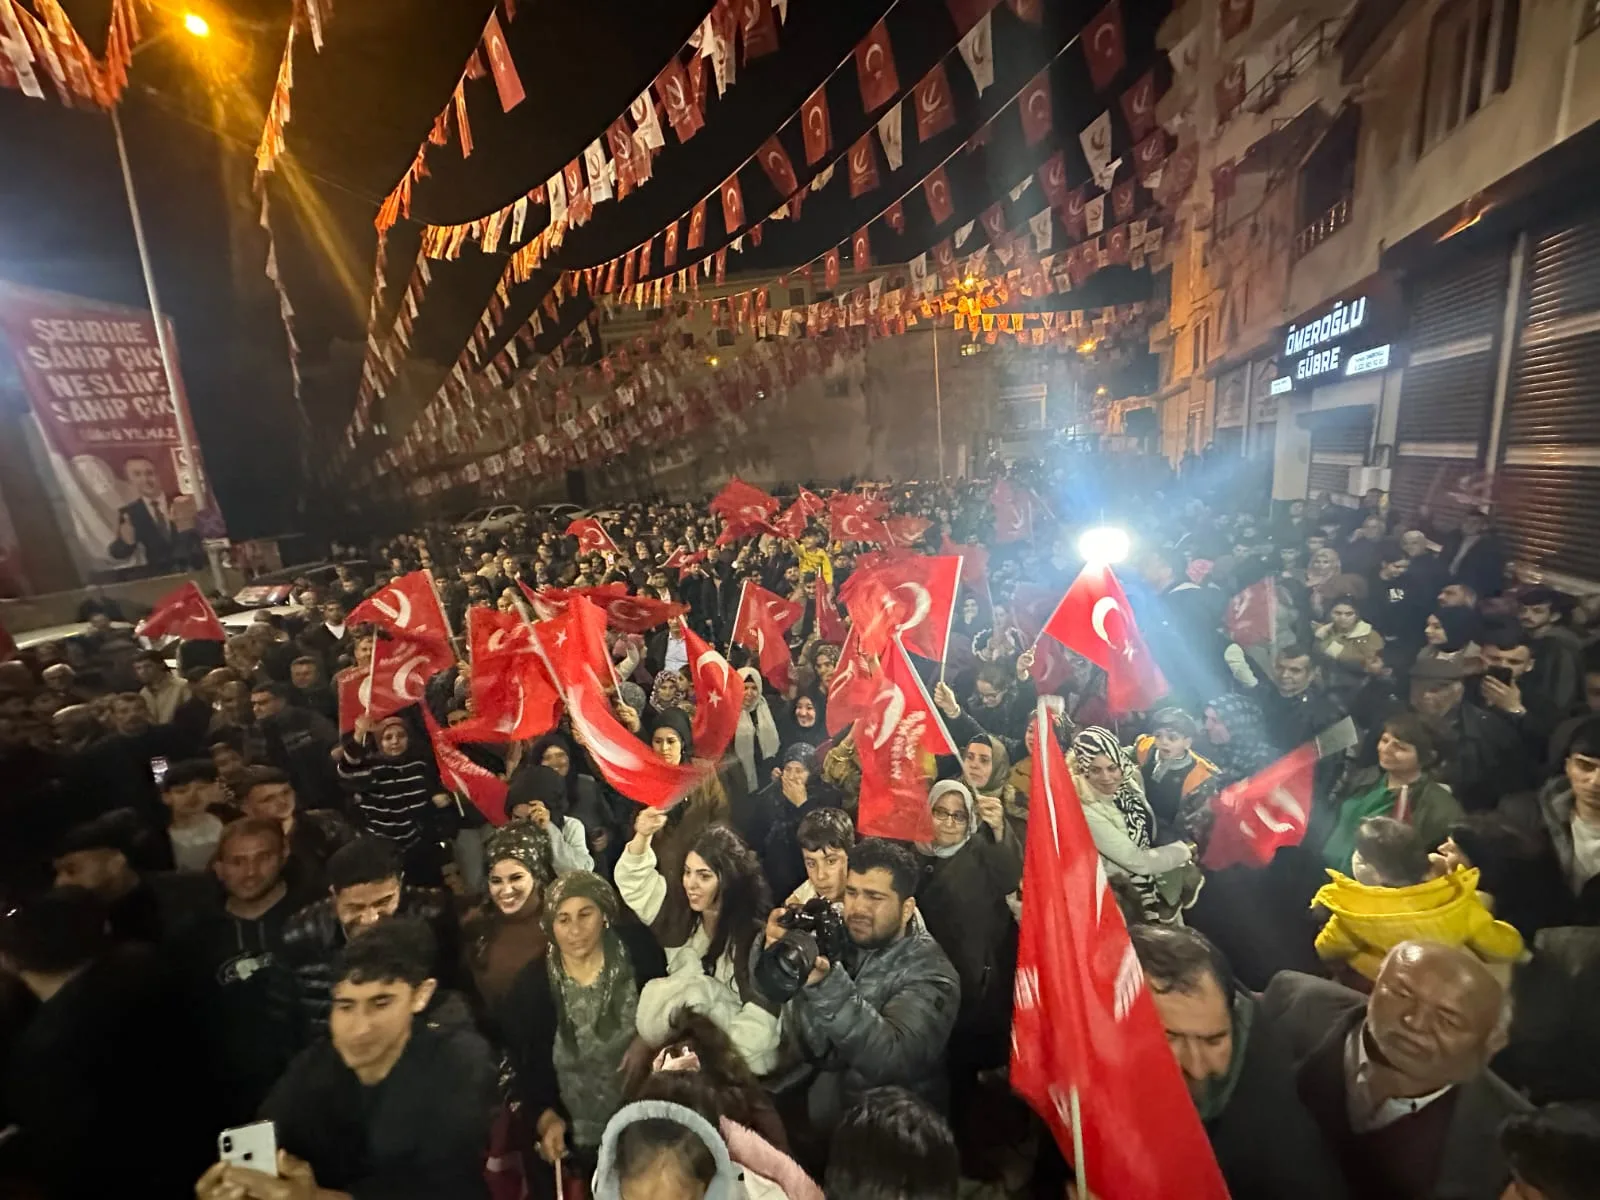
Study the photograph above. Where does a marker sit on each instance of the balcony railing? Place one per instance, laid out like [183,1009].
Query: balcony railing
[1323,228]
[1318,43]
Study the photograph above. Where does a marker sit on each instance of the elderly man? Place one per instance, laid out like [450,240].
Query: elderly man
[1399,1082]
[1238,1071]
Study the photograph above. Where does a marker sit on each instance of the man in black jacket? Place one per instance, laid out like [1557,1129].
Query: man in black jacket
[1399,1082]
[1487,758]
[397,1100]
[1238,1070]
[364,882]
[298,741]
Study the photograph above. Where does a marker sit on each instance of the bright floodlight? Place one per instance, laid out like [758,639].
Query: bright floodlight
[1105,544]
[197,25]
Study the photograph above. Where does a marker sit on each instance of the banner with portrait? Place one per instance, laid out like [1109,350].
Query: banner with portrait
[98,393]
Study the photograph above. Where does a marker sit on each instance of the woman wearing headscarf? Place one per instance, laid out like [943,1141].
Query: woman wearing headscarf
[570,1022]
[1450,634]
[769,820]
[1237,735]
[1123,825]
[755,741]
[539,795]
[669,692]
[1326,582]
[587,799]
[504,935]
[397,793]
[802,722]
[969,868]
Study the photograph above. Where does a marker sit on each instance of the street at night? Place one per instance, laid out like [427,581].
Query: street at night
[904,600]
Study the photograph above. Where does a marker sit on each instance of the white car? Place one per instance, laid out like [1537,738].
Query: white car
[562,513]
[498,518]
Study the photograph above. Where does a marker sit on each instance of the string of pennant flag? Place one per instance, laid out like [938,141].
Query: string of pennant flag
[49,46]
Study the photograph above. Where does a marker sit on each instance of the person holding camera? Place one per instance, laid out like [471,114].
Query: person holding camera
[870,997]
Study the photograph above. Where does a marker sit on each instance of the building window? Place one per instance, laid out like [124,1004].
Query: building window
[1471,48]
[1328,182]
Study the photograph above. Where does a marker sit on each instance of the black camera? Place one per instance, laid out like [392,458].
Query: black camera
[813,930]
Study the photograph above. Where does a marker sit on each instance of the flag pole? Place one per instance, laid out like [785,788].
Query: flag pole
[944,651]
[427,573]
[744,590]
[1077,1144]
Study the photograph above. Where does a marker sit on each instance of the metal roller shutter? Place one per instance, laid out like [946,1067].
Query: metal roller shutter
[1327,477]
[1416,482]
[1548,485]
[1449,383]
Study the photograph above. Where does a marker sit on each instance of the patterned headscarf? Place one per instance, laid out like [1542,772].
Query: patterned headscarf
[1129,797]
[1248,748]
[526,843]
[616,981]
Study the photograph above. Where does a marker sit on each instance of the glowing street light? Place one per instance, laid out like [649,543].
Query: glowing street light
[196,25]
[1105,544]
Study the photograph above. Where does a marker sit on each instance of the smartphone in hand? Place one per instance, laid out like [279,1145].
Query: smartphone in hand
[254,1147]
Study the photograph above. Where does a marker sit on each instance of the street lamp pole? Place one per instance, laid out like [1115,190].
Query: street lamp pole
[938,400]
[169,358]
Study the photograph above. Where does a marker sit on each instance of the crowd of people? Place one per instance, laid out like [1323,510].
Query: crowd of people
[227,904]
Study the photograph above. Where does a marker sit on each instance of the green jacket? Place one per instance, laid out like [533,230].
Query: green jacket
[1433,807]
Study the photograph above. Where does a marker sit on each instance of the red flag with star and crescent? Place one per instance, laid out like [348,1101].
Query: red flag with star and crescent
[513,697]
[461,775]
[407,607]
[898,724]
[831,626]
[1087,1046]
[635,614]
[1095,620]
[850,689]
[399,674]
[592,536]
[186,613]
[912,598]
[759,626]
[718,697]
[740,502]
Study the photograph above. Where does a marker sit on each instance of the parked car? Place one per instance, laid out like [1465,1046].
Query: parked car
[561,514]
[277,587]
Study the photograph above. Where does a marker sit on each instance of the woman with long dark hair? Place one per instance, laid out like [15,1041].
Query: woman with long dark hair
[708,926]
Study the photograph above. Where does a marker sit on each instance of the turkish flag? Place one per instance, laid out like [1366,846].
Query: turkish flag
[732,205]
[512,696]
[697,226]
[1095,620]
[810,502]
[757,28]
[759,625]
[185,612]
[830,269]
[348,685]
[936,112]
[974,562]
[1229,91]
[1234,17]
[1103,45]
[906,530]
[853,525]
[875,69]
[831,626]
[681,558]
[575,638]
[1257,816]
[464,777]
[863,167]
[1013,512]
[669,246]
[791,522]
[635,614]
[860,250]
[718,695]
[677,97]
[1139,106]
[849,689]
[912,598]
[1087,1046]
[775,161]
[1034,105]
[506,80]
[936,187]
[741,501]
[889,740]
[399,674]
[407,606]
[1252,616]
[814,125]
[592,536]
[1074,216]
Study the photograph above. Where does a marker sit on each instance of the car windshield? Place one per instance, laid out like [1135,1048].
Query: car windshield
[476,514]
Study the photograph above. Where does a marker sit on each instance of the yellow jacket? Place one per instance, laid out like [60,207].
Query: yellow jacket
[1369,921]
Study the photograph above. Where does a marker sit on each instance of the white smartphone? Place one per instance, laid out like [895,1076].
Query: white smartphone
[254,1146]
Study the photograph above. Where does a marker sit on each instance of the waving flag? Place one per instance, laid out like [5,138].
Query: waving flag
[810,503]
[850,690]
[1088,1050]
[1016,509]
[1252,616]
[852,523]
[406,606]
[913,597]
[348,685]
[681,559]
[830,623]
[742,503]
[718,697]
[1095,620]
[791,522]
[592,536]
[906,530]
[186,613]
[464,777]
[1256,817]
[889,741]
[636,614]
[759,626]
[575,637]
[512,696]
[399,674]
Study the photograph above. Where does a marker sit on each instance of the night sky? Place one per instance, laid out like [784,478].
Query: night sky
[361,108]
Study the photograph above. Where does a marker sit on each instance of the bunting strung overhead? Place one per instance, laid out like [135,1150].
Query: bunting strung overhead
[47,47]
